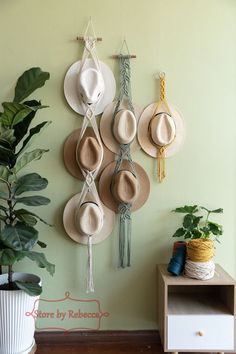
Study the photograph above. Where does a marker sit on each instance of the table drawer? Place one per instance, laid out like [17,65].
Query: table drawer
[195,332]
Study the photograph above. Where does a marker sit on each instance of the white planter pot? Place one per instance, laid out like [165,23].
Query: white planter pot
[17,329]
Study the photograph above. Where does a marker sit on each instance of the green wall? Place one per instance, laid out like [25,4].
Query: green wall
[194,43]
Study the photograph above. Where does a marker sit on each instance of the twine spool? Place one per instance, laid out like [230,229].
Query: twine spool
[199,270]
[176,264]
[200,250]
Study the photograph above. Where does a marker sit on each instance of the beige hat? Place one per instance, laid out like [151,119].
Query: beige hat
[81,222]
[124,187]
[162,129]
[124,126]
[89,86]
[122,129]
[89,153]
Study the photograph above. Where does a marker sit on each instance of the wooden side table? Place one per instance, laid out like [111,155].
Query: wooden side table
[196,315]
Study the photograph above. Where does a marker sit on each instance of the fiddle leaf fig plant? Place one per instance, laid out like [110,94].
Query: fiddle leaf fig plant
[18,234]
[196,223]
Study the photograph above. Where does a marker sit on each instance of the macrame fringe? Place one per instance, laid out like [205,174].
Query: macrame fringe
[90,285]
[161,166]
[125,235]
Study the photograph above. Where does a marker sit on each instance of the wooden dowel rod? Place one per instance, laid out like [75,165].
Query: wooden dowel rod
[117,56]
[99,39]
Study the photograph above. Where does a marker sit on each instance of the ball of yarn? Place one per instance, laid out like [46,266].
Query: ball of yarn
[199,270]
[200,250]
[176,264]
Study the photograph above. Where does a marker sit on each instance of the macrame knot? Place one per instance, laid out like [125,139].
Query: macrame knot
[89,179]
[89,114]
[125,210]
[90,43]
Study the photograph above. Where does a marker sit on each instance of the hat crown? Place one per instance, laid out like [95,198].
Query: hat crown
[90,86]
[126,187]
[125,126]
[88,219]
[89,153]
[163,129]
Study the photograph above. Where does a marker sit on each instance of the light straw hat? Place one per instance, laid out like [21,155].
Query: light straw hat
[89,148]
[124,187]
[87,220]
[162,129]
[89,86]
[121,128]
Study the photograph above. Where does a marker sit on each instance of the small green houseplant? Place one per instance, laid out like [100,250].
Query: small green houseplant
[196,223]
[18,235]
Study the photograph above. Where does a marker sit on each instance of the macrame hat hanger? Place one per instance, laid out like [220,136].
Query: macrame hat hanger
[88,88]
[161,130]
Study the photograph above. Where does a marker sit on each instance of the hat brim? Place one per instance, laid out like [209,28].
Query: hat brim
[70,87]
[70,154]
[72,231]
[143,134]
[105,183]
[106,128]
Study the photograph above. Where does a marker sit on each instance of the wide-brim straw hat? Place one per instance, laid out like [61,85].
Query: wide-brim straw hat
[144,132]
[71,89]
[105,186]
[70,153]
[72,226]
[106,128]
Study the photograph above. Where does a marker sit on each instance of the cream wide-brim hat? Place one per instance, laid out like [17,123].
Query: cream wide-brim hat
[104,186]
[106,125]
[72,230]
[143,130]
[70,154]
[71,87]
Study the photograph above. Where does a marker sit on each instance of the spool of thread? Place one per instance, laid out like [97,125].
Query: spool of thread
[199,270]
[176,264]
[200,250]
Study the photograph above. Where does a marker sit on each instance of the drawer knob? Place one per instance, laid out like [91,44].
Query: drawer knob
[200,333]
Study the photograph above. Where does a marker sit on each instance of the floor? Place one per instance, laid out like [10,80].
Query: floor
[104,348]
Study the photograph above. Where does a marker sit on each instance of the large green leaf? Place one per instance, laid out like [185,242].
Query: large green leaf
[28,157]
[30,182]
[215,228]
[7,137]
[28,82]
[19,237]
[187,209]
[35,200]
[31,289]
[179,232]
[32,133]
[41,261]
[6,156]
[191,221]
[7,257]
[14,113]
[27,219]
[4,174]
[23,213]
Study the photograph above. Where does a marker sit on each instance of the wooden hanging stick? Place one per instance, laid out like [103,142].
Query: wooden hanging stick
[80,38]
[117,56]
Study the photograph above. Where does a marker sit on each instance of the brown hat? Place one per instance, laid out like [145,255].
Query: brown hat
[124,187]
[106,127]
[90,148]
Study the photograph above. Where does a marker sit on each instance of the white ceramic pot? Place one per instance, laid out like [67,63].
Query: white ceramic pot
[16,328]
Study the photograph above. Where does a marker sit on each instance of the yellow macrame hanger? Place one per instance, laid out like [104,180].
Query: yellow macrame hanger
[161,168]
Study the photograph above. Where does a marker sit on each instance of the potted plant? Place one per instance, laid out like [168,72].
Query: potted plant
[201,233]
[18,234]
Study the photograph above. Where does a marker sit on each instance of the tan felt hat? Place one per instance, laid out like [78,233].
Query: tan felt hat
[89,153]
[161,129]
[87,219]
[124,187]
[70,153]
[89,86]
[123,127]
